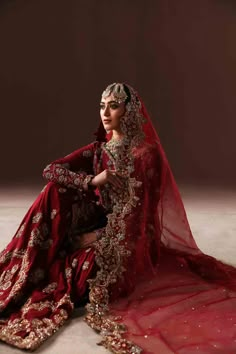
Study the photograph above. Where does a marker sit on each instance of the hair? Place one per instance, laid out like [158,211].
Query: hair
[127,91]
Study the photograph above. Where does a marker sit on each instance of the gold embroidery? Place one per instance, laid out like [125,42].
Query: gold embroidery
[85,265]
[111,250]
[50,288]
[53,213]
[68,273]
[37,218]
[74,263]
[6,277]
[38,237]
[87,153]
[20,231]
[17,285]
[37,330]
[8,255]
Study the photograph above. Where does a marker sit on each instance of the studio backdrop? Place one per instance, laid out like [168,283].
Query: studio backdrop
[57,56]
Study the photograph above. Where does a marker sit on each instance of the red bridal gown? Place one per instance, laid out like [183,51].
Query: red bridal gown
[150,288]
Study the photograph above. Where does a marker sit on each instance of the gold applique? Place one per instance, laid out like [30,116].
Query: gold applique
[6,256]
[53,213]
[85,265]
[39,237]
[87,153]
[68,273]
[7,277]
[37,218]
[22,277]
[50,288]
[20,231]
[38,330]
[74,263]
[111,251]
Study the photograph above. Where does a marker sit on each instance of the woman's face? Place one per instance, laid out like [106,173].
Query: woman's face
[111,111]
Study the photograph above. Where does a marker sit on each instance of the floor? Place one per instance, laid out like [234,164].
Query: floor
[212,216]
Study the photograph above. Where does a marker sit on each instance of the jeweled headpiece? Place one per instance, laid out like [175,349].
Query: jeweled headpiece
[131,122]
[118,91]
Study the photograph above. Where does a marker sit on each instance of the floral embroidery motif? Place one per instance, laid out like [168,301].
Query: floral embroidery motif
[53,213]
[5,257]
[50,288]
[66,178]
[20,231]
[39,238]
[37,218]
[7,277]
[68,273]
[85,265]
[74,263]
[87,153]
[6,285]
[110,251]
[16,286]
[40,329]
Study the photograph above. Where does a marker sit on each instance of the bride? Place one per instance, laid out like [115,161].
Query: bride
[109,231]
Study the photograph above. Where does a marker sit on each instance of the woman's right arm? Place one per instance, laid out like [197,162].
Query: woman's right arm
[76,170]
[73,171]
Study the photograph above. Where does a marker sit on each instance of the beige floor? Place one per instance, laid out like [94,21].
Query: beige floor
[212,216]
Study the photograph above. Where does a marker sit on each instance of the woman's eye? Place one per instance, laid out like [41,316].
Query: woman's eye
[114,106]
[102,106]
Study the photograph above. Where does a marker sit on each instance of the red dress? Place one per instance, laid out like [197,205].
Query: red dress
[150,288]
[42,277]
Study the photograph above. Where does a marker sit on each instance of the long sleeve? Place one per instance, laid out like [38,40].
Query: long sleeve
[73,171]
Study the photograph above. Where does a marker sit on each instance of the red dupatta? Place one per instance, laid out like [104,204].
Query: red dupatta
[155,288]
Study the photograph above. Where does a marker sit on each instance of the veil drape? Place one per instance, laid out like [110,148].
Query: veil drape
[172,297]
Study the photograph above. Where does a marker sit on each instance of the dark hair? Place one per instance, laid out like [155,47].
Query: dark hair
[127,91]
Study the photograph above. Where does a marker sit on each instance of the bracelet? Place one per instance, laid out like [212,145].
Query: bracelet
[87,180]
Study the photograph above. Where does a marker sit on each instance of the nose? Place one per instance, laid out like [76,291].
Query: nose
[106,111]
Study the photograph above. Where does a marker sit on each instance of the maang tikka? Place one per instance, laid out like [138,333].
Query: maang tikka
[117,90]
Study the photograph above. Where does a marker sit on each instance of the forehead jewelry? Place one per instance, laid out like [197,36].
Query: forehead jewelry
[118,92]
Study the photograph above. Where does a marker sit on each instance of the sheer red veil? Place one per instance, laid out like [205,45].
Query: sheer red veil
[169,211]
[164,275]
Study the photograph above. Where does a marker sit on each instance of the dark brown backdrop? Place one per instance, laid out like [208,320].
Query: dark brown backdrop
[57,56]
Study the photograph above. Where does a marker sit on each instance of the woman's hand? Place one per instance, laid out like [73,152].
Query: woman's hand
[107,176]
[84,240]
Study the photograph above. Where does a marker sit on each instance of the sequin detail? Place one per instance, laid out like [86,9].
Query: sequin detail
[110,250]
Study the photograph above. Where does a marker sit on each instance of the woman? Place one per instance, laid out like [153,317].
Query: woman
[110,225]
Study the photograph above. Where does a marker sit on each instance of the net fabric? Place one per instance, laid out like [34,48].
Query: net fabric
[160,201]
[172,297]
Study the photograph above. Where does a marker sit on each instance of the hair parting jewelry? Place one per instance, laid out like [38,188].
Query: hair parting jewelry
[118,91]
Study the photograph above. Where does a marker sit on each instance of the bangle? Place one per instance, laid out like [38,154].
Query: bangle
[87,181]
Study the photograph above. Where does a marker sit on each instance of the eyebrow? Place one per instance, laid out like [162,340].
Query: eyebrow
[109,102]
